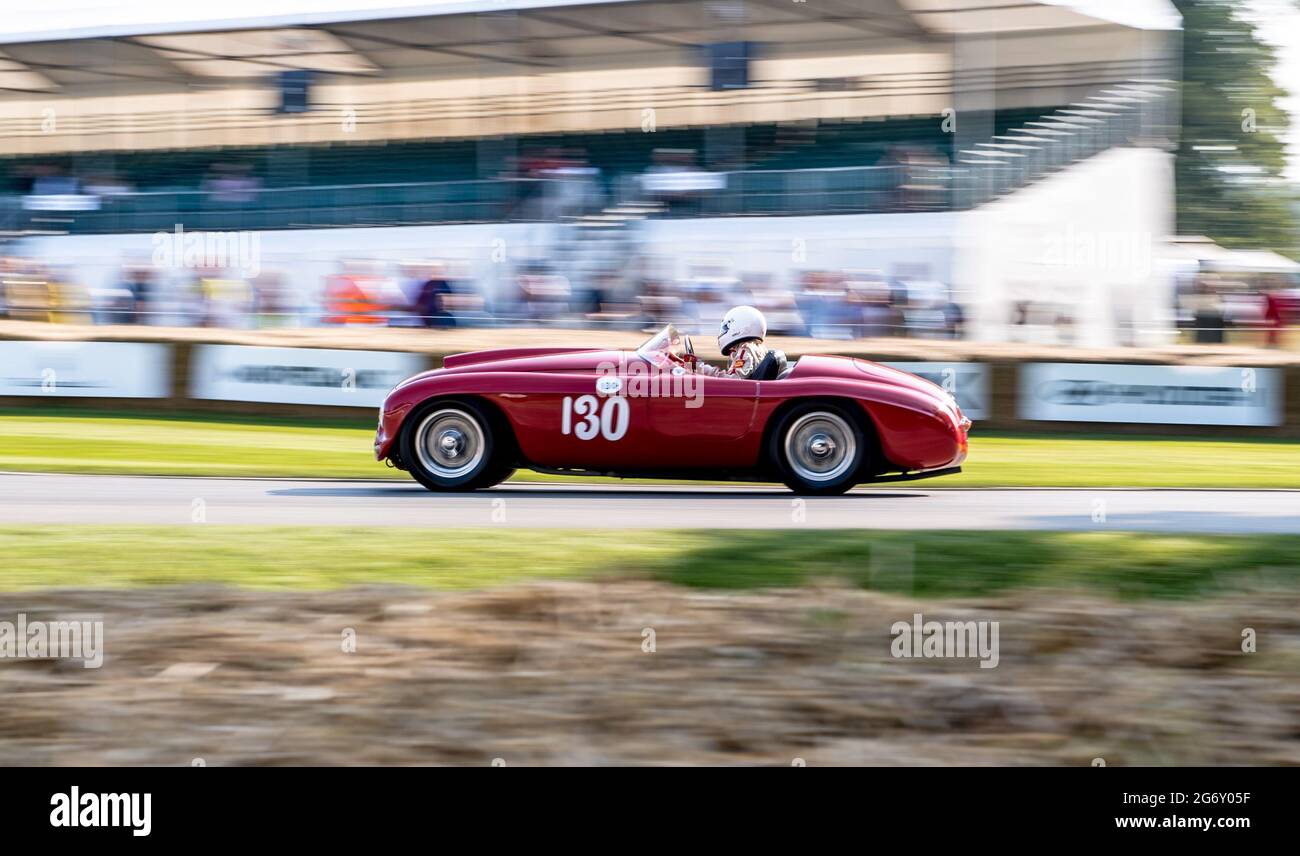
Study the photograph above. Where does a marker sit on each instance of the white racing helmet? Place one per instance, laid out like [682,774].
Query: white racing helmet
[742,322]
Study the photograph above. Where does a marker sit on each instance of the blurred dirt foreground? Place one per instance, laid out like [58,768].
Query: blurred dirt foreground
[569,673]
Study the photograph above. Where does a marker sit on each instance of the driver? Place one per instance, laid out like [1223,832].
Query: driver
[740,339]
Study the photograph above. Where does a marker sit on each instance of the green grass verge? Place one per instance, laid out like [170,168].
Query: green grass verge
[1110,460]
[82,442]
[921,563]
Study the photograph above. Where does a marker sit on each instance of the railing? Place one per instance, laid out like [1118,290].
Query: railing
[845,190]
[760,192]
[477,201]
[1128,113]
[1138,111]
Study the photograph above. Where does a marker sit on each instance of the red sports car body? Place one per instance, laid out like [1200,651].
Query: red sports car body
[820,424]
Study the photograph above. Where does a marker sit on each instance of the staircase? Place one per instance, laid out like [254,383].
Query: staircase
[1136,112]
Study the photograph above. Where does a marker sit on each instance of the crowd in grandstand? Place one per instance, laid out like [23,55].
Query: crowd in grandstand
[602,183]
[437,294]
[828,304]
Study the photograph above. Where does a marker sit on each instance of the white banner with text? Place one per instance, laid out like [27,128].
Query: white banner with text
[1168,395]
[298,375]
[85,369]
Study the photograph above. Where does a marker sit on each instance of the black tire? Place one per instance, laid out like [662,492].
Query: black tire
[497,474]
[453,446]
[819,449]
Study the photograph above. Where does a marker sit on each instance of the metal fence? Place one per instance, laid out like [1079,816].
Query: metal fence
[762,192]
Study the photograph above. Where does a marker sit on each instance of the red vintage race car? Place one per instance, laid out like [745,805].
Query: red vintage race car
[819,424]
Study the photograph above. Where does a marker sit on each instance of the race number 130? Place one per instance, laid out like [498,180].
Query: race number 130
[587,416]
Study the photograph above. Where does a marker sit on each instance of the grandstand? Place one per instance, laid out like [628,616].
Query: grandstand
[415,117]
[922,122]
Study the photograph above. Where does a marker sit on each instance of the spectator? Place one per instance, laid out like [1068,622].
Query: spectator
[1273,319]
[137,282]
[431,304]
[231,184]
[954,320]
[274,302]
[676,182]
[1207,314]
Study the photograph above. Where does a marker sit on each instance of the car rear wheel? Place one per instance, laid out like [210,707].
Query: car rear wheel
[819,449]
[452,446]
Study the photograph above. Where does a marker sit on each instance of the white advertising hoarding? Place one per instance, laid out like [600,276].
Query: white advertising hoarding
[1168,395]
[298,375]
[967,382]
[85,369]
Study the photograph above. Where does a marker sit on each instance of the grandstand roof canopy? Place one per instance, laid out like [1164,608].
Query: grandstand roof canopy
[119,44]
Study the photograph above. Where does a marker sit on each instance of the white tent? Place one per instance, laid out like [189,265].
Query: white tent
[1256,261]
[1201,251]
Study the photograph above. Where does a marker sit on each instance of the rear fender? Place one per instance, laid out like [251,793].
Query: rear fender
[912,426]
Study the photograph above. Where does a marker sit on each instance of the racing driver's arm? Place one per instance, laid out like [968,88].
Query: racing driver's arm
[745,357]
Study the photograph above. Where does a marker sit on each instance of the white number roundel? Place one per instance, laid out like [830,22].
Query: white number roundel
[609,419]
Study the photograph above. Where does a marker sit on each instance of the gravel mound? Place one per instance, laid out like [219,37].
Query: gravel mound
[647,673]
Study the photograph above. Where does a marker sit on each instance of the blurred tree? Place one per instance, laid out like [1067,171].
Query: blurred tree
[1231,154]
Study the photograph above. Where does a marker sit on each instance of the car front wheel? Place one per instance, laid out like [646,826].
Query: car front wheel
[819,449]
[451,446]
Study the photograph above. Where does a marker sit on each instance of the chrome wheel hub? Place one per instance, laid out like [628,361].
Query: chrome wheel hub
[820,447]
[450,443]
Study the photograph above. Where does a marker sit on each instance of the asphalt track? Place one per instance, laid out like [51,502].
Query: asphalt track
[110,500]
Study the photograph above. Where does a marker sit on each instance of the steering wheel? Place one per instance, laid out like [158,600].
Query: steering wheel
[688,359]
